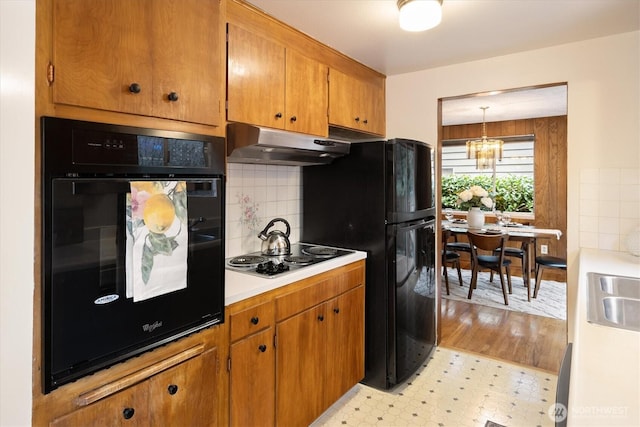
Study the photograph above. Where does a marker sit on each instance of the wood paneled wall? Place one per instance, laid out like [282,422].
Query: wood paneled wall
[550,172]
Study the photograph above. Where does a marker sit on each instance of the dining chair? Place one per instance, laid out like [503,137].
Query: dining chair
[547,261]
[513,252]
[489,243]
[457,246]
[449,258]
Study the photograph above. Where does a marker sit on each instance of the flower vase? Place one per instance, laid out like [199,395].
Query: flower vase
[475,218]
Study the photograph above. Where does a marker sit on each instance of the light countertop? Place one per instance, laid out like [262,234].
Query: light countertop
[239,286]
[604,387]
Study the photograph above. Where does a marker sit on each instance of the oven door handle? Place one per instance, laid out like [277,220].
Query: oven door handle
[199,185]
[100,187]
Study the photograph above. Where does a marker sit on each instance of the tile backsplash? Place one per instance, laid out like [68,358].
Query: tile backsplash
[609,207]
[256,194]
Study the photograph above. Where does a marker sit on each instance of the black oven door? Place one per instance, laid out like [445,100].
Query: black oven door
[90,323]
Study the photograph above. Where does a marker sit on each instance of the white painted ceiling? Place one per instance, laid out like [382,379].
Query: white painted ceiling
[513,105]
[368,31]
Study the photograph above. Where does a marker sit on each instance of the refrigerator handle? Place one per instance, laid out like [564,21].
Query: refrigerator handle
[414,225]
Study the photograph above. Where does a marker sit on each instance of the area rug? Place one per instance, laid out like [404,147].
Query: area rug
[551,300]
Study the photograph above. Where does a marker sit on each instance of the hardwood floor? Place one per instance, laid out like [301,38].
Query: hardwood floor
[525,339]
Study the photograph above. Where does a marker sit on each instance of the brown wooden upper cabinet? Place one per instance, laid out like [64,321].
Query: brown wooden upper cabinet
[158,58]
[356,103]
[274,86]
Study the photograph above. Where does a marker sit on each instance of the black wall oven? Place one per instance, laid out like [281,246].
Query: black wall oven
[133,242]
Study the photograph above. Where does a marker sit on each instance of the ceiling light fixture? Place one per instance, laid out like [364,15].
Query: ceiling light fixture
[485,150]
[419,15]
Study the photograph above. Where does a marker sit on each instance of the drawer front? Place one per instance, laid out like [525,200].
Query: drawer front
[318,291]
[251,320]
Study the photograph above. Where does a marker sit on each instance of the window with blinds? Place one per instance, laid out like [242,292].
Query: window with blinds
[517,158]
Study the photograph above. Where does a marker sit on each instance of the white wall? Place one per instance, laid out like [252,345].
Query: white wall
[17,100]
[603,122]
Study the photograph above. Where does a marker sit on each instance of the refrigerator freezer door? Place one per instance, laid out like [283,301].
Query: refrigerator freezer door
[410,186]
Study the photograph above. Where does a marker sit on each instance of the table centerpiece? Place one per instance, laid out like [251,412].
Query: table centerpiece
[474,200]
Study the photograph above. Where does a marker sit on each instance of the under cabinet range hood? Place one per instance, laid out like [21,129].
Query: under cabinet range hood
[251,144]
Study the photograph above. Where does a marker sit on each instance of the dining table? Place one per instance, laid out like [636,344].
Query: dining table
[528,235]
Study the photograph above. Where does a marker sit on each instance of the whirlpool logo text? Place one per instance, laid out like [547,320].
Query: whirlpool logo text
[151,327]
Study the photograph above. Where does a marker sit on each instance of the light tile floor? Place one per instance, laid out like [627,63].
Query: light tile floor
[453,389]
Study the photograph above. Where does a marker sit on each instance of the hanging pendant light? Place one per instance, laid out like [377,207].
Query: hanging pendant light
[485,150]
[419,15]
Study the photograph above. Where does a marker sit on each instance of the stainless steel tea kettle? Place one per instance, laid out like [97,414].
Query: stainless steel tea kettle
[276,242]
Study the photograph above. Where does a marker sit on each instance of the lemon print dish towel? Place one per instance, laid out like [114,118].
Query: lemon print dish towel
[157,238]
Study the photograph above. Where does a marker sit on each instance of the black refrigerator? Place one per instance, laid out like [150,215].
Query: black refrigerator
[380,199]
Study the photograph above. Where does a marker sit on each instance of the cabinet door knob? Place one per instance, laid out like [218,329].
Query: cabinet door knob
[172,389]
[172,97]
[127,413]
[357,119]
[336,310]
[321,318]
[255,320]
[134,88]
[278,115]
[293,118]
[262,348]
[365,121]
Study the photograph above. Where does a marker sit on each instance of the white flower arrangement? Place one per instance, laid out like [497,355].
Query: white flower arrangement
[474,197]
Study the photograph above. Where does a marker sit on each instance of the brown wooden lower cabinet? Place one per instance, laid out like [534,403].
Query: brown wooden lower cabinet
[288,369]
[184,394]
[300,368]
[319,357]
[128,406]
[251,377]
[344,346]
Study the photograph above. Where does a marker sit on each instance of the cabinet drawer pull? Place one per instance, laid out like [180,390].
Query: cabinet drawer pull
[321,318]
[127,413]
[262,348]
[172,96]
[255,320]
[134,88]
[172,389]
